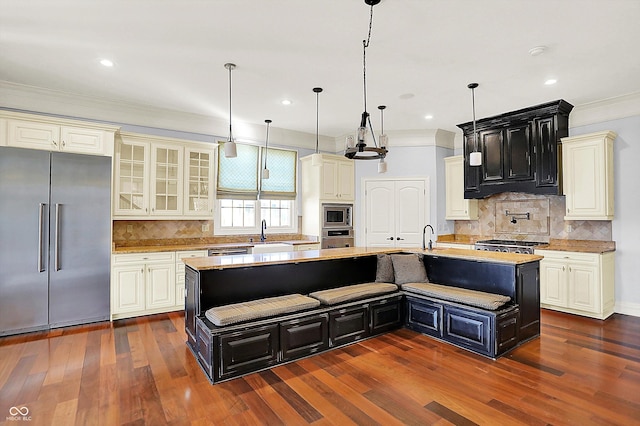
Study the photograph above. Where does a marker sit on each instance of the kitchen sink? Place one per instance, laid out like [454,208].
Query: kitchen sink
[271,248]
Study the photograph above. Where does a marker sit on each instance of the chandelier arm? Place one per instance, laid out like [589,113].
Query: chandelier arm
[373,135]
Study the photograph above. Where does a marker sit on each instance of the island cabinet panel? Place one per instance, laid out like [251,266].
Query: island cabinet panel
[348,325]
[385,315]
[468,329]
[424,316]
[507,331]
[304,336]
[247,350]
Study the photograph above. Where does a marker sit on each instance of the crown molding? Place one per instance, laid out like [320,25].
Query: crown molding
[130,116]
[605,110]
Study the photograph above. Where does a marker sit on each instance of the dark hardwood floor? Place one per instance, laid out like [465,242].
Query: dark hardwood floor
[139,371]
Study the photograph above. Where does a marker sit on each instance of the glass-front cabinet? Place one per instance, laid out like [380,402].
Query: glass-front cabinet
[166,180]
[198,199]
[131,183]
[162,178]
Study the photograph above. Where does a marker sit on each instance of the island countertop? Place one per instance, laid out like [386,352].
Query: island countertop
[249,260]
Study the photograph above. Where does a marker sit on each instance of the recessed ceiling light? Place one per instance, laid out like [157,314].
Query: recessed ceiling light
[106,62]
[538,50]
[407,96]
[428,117]
[286,102]
[550,81]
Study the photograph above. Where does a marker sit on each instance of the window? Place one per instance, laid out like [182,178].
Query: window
[244,199]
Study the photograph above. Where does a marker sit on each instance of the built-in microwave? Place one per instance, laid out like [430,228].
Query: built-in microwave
[337,215]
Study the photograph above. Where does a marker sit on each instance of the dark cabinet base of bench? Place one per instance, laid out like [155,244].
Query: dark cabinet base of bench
[228,352]
[489,333]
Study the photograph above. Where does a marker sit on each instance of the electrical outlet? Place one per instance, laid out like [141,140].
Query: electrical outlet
[569,228]
[205,227]
[129,228]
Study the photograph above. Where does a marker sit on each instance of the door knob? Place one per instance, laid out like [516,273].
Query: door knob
[390,238]
[398,238]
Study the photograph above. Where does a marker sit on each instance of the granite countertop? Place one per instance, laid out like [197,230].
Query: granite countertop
[240,261]
[152,246]
[581,246]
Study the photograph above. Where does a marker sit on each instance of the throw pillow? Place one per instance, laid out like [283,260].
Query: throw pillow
[384,270]
[409,268]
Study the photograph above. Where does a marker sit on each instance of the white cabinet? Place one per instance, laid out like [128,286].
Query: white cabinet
[457,208]
[142,283]
[577,283]
[166,180]
[162,178]
[587,167]
[333,179]
[198,189]
[180,271]
[52,134]
[131,180]
[394,213]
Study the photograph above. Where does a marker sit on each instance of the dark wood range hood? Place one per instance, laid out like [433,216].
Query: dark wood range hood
[520,151]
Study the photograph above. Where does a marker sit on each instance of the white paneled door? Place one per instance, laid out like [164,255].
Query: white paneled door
[394,212]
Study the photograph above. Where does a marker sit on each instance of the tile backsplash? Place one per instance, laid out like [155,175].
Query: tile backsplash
[546,220]
[131,232]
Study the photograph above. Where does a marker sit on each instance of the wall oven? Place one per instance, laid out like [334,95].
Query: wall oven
[336,215]
[336,238]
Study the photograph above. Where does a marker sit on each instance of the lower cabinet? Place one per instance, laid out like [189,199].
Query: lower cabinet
[142,283]
[248,350]
[241,350]
[577,283]
[489,333]
[348,325]
[304,336]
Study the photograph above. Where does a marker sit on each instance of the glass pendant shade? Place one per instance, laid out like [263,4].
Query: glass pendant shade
[382,166]
[384,140]
[316,160]
[265,173]
[230,150]
[475,158]
[350,142]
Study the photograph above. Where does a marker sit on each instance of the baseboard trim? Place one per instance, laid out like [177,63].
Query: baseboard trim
[628,308]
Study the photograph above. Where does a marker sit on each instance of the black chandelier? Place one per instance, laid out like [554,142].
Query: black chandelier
[356,148]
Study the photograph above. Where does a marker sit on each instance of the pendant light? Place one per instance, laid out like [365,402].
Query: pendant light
[316,159]
[265,171]
[475,157]
[356,148]
[230,150]
[383,139]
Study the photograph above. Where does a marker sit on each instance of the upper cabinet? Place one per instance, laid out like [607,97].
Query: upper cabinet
[53,134]
[332,179]
[519,151]
[587,163]
[162,177]
[457,207]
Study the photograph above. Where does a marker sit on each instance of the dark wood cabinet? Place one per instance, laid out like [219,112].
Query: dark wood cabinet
[304,336]
[191,305]
[385,315]
[520,151]
[348,325]
[247,350]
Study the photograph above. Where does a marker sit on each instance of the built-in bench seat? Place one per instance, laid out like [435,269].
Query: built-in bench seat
[479,299]
[475,305]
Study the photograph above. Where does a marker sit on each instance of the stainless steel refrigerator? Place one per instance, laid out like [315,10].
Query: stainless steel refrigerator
[55,239]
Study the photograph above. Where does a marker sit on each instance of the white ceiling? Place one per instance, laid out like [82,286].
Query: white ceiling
[170,54]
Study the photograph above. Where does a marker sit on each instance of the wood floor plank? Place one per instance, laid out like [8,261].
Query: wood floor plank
[139,371]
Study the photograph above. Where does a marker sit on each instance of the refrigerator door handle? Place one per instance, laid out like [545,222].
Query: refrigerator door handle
[57,239]
[40,237]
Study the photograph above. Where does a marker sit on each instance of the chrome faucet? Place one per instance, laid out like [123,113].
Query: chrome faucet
[262,229]
[424,231]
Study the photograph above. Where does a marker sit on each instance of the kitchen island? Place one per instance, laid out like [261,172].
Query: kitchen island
[226,280]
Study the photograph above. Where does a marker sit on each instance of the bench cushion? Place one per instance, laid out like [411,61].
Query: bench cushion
[476,298]
[260,308]
[352,292]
